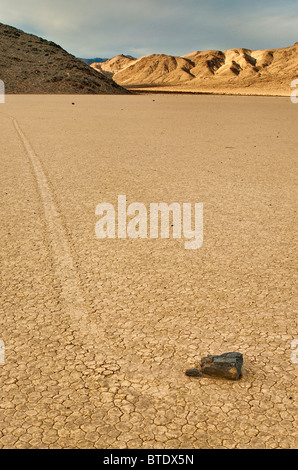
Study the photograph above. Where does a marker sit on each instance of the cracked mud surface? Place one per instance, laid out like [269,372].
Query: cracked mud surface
[98,334]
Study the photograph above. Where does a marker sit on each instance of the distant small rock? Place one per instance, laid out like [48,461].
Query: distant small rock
[226,366]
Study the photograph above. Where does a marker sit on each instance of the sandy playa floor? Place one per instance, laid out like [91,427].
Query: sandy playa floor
[98,334]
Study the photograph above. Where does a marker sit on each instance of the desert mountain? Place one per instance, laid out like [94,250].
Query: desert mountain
[114,65]
[234,70]
[29,64]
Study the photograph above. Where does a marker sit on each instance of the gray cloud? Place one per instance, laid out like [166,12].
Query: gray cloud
[105,28]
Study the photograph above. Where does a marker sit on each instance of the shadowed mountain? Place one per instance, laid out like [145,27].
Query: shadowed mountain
[91,61]
[29,64]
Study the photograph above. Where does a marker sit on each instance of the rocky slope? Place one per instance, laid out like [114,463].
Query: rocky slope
[29,64]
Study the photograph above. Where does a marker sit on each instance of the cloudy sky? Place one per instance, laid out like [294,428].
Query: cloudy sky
[104,28]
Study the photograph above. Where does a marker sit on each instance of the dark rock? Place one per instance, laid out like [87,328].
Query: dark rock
[226,366]
[193,373]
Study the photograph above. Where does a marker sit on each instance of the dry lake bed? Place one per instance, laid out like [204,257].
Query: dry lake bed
[96,333]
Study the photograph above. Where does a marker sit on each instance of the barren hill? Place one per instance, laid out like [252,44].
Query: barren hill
[114,65]
[232,71]
[29,64]
[156,68]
